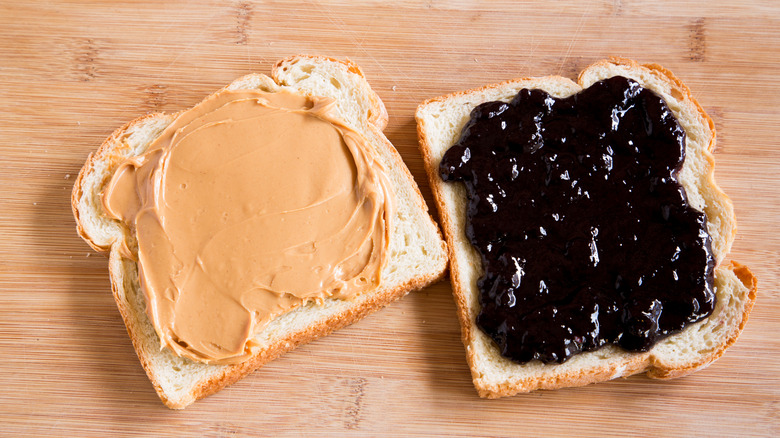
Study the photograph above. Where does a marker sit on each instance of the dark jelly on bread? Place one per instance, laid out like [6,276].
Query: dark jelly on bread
[585,234]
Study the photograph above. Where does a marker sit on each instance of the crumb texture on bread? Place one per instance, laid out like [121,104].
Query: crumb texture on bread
[417,253]
[440,122]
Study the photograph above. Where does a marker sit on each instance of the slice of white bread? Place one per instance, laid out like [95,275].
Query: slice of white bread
[417,254]
[439,125]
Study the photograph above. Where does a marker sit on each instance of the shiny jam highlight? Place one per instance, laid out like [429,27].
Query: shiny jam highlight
[586,236]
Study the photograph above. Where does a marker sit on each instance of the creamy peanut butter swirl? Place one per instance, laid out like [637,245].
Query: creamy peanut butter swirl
[248,205]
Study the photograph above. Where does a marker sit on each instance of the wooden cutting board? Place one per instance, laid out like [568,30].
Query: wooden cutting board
[72,73]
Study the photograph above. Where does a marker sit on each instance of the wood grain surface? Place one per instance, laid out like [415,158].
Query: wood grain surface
[72,72]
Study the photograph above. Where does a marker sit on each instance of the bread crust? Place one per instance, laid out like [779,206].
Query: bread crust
[378,118]
[113,150]
[631,363]
[104,153]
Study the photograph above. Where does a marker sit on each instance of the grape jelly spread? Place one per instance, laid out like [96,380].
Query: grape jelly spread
[586,237]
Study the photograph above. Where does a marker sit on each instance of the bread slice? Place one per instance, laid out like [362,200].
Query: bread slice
[439,124]
[417,252]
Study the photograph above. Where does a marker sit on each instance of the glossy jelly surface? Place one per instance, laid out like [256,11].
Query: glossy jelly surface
[586,236]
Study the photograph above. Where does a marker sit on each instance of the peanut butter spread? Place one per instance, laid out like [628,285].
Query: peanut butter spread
[248,205]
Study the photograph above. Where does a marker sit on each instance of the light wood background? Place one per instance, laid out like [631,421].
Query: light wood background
[70,73]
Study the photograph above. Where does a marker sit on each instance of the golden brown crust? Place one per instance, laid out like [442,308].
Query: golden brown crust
[670,78]
[434,183]
[378,118]
[635,363]
[747,278]
[117,289]
[108,146]
[679,87]
[638,363]
[351,315]
[233,373]
[236,372]
[450,232]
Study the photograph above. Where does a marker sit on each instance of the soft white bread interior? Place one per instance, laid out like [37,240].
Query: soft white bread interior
[439,124]
[417,254]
